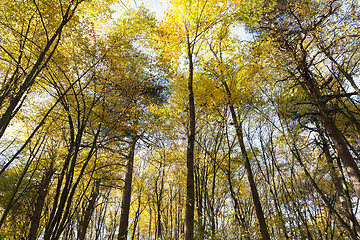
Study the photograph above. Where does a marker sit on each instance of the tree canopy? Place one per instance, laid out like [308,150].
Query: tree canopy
[128,126]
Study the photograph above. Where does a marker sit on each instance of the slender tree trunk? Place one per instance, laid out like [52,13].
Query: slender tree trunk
[178,215]
[159,198]
[35,221]
[190,200]
[13,198]
[255,195]
[59,199]
[240,220]
[137,217]
[89,210]
[150,218]
[125,206]
[199,201]
[65,215]
[212,203]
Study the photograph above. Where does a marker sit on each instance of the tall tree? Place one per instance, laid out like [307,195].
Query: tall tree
[187,23]
[224,74]
[297,28]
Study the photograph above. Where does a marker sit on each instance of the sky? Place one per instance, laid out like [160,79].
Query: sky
[159,8]
[156,6]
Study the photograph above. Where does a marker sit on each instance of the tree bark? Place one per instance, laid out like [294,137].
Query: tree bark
[159,198]
[125,206]
[137,217]
[35,221]
[240,219]
[190,200]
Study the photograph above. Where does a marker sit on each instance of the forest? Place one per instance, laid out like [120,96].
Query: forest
[130,126]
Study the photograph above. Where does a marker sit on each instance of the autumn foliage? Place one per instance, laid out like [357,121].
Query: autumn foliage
[222,120]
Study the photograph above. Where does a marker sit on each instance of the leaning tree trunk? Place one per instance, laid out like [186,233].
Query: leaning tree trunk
[125,206]
[345,204]
[334,133]
[254,193]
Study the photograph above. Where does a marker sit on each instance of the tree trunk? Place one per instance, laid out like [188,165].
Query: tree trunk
[296,154]
[190,200]
[345,204]
[254,193]
[89,210]
[334,133]
[12,200]
[199,201]
[35,221]
[159,198]
[125,206]
[137,217]
[239,219]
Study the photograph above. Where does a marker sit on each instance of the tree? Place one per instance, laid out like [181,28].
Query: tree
[24,64]
[118,117]
[188,22]
[300,32]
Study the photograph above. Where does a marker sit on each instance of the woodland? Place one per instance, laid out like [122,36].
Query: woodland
[134,127]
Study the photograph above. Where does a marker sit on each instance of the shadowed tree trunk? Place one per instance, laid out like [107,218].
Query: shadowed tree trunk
[35,221]
[345,204]
[125,206]
[89,210]
[334,133]
[137,218]
[190,200]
